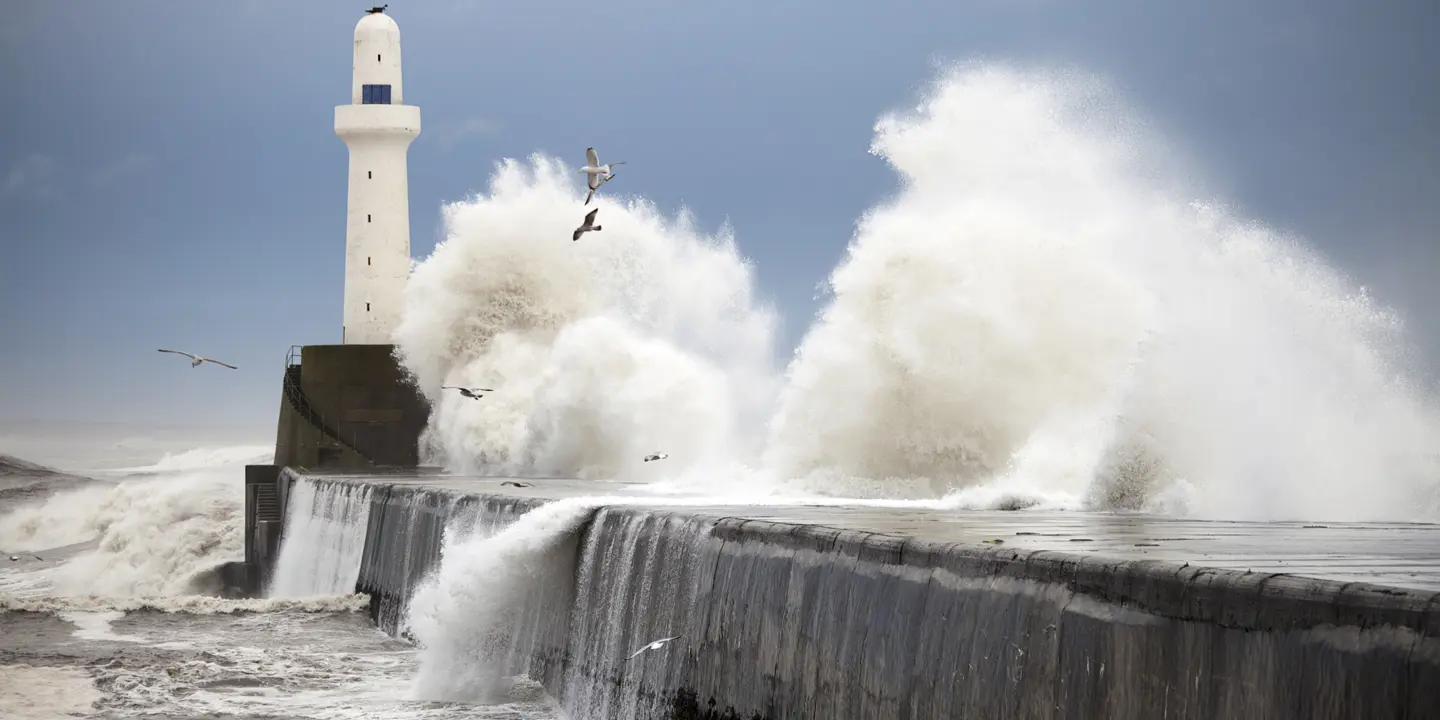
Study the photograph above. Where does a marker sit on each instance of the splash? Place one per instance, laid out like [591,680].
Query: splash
[644,336]
[1040,317]
[150,536]
[485,600]
[1040,305]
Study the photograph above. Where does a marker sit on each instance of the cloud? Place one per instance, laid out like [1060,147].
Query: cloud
[122,168]
[449,134]
[32,175]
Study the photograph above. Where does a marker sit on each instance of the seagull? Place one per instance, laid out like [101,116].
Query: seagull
[656,456]
[587,226]
[195,360]
[595,171]
[512,483]
[595,181]
[652,646]
[467,392]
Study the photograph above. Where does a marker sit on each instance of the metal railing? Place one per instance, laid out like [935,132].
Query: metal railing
[297,400]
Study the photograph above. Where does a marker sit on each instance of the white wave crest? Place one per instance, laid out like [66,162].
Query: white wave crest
[150,536]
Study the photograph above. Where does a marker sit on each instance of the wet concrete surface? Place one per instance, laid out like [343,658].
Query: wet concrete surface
[1397,554]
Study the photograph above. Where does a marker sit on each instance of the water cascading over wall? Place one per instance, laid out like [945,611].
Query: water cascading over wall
[778,620]
[786,621]
[344,536]
[405,535]
[637,582]
[324,538]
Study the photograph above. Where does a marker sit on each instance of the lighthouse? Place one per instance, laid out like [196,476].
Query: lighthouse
[377,127]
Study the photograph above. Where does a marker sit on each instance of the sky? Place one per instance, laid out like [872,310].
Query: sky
[170,177]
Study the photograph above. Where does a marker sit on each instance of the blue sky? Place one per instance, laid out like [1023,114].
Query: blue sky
[169,175]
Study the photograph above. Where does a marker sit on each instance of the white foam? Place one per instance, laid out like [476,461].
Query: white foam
[151,536]
[96,625]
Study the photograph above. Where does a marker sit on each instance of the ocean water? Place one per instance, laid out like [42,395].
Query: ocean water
[107,611]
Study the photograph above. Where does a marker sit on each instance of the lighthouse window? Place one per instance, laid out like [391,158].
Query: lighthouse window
[367,261]
[369,174]
[377,58]
[374,94]
[367,218]
[367,307]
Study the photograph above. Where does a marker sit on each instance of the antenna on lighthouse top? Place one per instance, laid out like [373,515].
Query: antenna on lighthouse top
[380,9]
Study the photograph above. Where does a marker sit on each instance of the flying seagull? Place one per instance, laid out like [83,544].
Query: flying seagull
[595,181]
[512,483]
[598,174]
[656,456]
[652,646]
[195,360]
[587,226]
[467,392]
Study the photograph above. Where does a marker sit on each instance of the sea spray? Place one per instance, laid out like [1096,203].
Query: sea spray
[158,533]
[647,336]
[475,615]
[164,539]
[1042,305]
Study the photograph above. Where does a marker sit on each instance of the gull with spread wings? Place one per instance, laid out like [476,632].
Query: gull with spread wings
[587,226]
[196,360]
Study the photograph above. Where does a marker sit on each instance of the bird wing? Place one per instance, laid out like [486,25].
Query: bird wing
[590,217]
[177,352]
[637,652]
[591,195]
[217,362]
[591,158]
[595,180]
[578,233]
[665,640]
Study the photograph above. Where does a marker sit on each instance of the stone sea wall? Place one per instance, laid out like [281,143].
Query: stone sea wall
[802,621]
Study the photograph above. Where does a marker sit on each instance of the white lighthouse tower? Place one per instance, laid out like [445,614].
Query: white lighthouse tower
[378,129]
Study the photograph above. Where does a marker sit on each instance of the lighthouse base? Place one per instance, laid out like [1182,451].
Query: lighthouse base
[348,407]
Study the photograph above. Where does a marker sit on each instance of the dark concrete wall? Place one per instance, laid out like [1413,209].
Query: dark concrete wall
[790,621]
[360,393]
[805,621]
[264,508]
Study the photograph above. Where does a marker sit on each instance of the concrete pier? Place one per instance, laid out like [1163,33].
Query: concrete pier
[864,612]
